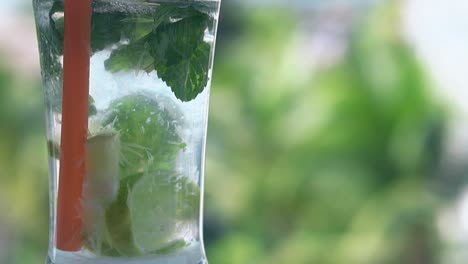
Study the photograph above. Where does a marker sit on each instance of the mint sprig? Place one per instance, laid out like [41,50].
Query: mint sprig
[181,57]
[176,50]
[167,38]
[148,132]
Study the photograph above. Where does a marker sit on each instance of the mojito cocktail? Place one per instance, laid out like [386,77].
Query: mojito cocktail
[150,68]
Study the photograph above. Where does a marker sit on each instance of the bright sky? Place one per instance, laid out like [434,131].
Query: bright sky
[10,4]
[18,41]
[439,30]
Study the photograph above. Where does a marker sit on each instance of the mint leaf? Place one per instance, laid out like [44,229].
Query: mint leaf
[181,57]
[148,132]
[132,56]
[174,42]
[92,110]
[189,76]
[176,50]
[170,13]
[57,25]
[137,27]
[105,29]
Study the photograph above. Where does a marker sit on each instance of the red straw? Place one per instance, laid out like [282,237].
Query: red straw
[74,123]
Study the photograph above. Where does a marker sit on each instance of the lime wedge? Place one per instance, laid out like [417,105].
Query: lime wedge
[148,211]
[159,203]
[153,208]
[119,222]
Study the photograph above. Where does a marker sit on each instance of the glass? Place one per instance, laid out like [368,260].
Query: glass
[141,193]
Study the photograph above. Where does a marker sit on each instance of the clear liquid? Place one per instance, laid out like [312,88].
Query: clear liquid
[164,200]
[192,254]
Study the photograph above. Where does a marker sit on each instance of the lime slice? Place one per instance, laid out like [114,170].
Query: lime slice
[148,211]
[119,222]
[159,203]
[153,208]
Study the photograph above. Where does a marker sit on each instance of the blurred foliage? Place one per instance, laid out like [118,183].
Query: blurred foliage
[334,167]
[329,165]
[23,177]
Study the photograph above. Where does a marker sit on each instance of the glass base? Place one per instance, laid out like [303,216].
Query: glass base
[190,255]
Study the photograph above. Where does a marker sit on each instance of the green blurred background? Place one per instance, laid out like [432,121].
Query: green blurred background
[336,134]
